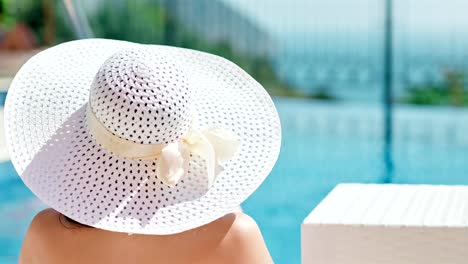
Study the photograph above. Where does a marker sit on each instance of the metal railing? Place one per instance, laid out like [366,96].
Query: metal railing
[376,59]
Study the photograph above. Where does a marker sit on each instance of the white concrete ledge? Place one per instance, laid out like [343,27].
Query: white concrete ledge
[372,223]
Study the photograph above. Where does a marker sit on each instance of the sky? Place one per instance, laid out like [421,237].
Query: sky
[288,16]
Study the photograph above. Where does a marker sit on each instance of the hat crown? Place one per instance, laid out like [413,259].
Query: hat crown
[142,96]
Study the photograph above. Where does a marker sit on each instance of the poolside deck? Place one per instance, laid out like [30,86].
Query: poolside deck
[372,223]
[10,63]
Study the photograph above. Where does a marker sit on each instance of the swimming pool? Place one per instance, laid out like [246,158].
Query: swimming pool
[323,144]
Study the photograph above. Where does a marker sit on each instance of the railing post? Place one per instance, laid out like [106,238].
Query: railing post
[78,19]
[388,92]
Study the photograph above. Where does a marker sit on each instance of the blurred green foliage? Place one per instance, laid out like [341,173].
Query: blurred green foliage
[31,13]
[148,22]
[7,16]
[135,21]
[451,91]
[154,24]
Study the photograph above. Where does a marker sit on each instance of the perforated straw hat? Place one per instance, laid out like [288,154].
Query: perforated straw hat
[139,138]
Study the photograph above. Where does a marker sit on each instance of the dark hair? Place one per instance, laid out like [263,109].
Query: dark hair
[67,222]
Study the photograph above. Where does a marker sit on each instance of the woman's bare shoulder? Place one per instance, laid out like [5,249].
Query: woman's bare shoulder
[37,237]
[46,216]
[234,238]
[44,223]
[243,242]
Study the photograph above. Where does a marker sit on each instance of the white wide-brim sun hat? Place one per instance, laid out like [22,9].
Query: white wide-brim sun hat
[140,95]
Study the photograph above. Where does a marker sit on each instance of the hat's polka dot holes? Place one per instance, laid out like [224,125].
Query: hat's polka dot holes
[152,95]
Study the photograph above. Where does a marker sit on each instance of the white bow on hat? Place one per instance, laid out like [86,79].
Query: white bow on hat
[214,145]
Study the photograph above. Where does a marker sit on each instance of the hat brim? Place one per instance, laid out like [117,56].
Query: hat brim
[52,151]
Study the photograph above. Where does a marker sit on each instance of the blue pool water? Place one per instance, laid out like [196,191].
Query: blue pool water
[322,145]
